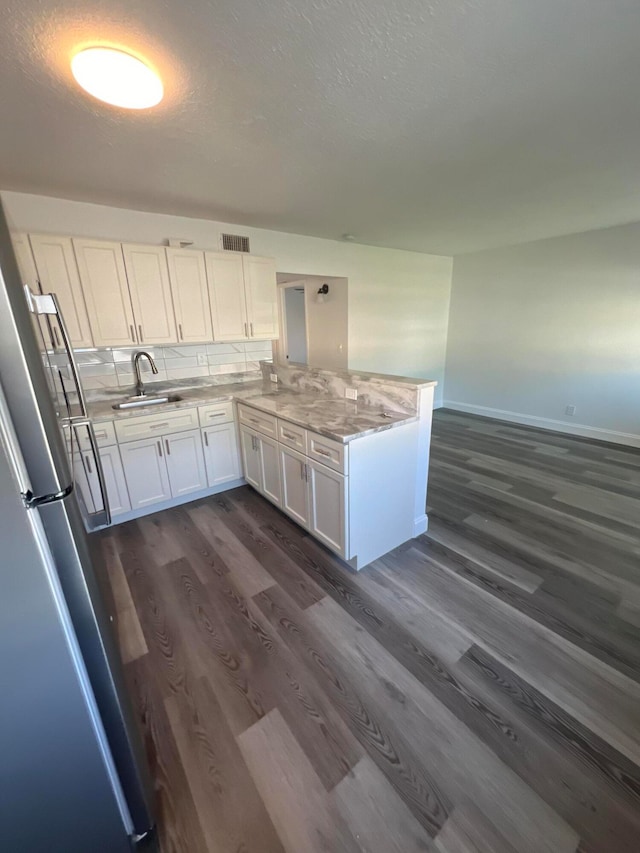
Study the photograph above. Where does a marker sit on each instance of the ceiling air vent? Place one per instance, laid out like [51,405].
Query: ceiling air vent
[235,243]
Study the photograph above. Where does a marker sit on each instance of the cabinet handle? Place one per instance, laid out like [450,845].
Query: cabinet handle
[168,446]
[321,451]
[180,331]
[101,434]
[246,333]
[289,436]
[159,426]
[206,439]
[87,459]
[254,420]
[159,448]
[302,471]
[133,333]
[216,414]
[140,330]
[254,442]
[251,325]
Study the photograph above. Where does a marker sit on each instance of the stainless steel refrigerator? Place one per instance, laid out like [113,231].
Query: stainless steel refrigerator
[72,771]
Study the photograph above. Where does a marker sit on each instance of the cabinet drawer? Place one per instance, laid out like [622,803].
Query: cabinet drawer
[330,453]
[149,426]
[216,413]
[292,436]
[255,419]
[105,435]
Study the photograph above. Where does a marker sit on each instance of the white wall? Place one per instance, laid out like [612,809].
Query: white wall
[537,327]
[328,324]
[398,301]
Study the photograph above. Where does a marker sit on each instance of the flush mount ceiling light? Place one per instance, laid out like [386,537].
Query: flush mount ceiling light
[117,78]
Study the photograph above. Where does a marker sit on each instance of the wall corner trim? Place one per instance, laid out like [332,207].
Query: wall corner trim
[582,430]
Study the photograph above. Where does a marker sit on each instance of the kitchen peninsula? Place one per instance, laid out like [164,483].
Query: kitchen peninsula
[343,453]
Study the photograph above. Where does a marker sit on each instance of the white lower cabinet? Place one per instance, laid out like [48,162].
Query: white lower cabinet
[221,454]
[327,507]
[185,463]
[261,464]
[271,486]
[295,488]
[115,484]
[145,470]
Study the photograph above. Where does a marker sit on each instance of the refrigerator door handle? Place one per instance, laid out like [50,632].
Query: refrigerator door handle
[47,303]
[93,442]
[32,501]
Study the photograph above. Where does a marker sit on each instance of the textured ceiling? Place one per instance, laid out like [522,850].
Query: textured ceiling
[440,126]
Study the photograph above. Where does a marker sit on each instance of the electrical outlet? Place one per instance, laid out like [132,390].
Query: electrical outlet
[351,393]
[273,377]
[202,359]
[570,410]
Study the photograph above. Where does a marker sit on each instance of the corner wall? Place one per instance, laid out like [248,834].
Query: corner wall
[537,327]
[398,301]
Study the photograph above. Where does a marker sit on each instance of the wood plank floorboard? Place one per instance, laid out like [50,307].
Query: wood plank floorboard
[477,690]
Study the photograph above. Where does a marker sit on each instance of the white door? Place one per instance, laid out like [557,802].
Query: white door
[327,507]
[115,483]
[221,454]
[58,273]
[106,292]
[148,277]
[185,462]
[188,279]
[29,276]
[145,471]
[270,470]
[293,472]
[262,296]
[226,290]
[250,449]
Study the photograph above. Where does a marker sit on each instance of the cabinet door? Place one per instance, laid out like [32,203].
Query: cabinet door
[117,493]
[221,454]
[226,291]
[185,462]
[148,278]
[29,276]
[251,467]
[104,283]
[58,273]
[145,471]
[327,503]
[262,297]
[270,470]
[293,472]
[190,293]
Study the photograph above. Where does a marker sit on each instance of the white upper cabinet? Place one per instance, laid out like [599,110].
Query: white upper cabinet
[188,280]
[104,282]
[58,273]
[243,294]
[148,278]
[227,293]
[261,296]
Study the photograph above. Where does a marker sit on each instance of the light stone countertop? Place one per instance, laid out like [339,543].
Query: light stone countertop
[341,420]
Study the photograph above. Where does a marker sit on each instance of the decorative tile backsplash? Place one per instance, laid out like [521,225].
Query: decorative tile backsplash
[112,368]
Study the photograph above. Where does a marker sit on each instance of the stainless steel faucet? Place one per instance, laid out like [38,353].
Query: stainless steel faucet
[140,392]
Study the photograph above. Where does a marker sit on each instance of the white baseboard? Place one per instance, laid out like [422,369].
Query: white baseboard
[583,430]
[420,525]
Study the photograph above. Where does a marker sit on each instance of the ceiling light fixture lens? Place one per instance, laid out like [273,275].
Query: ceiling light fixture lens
[117,78]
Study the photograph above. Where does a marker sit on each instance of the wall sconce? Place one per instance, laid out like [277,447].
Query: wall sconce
[322,292]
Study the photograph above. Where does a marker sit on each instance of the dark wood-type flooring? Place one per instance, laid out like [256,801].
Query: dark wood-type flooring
[477,691]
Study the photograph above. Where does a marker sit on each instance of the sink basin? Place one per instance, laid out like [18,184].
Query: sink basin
[145,400]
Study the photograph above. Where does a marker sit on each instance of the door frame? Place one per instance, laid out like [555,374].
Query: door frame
[282,344]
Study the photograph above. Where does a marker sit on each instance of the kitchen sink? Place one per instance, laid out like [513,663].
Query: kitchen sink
[145,400]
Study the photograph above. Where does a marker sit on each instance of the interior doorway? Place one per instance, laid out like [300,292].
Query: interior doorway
[313,321]
[295,324]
